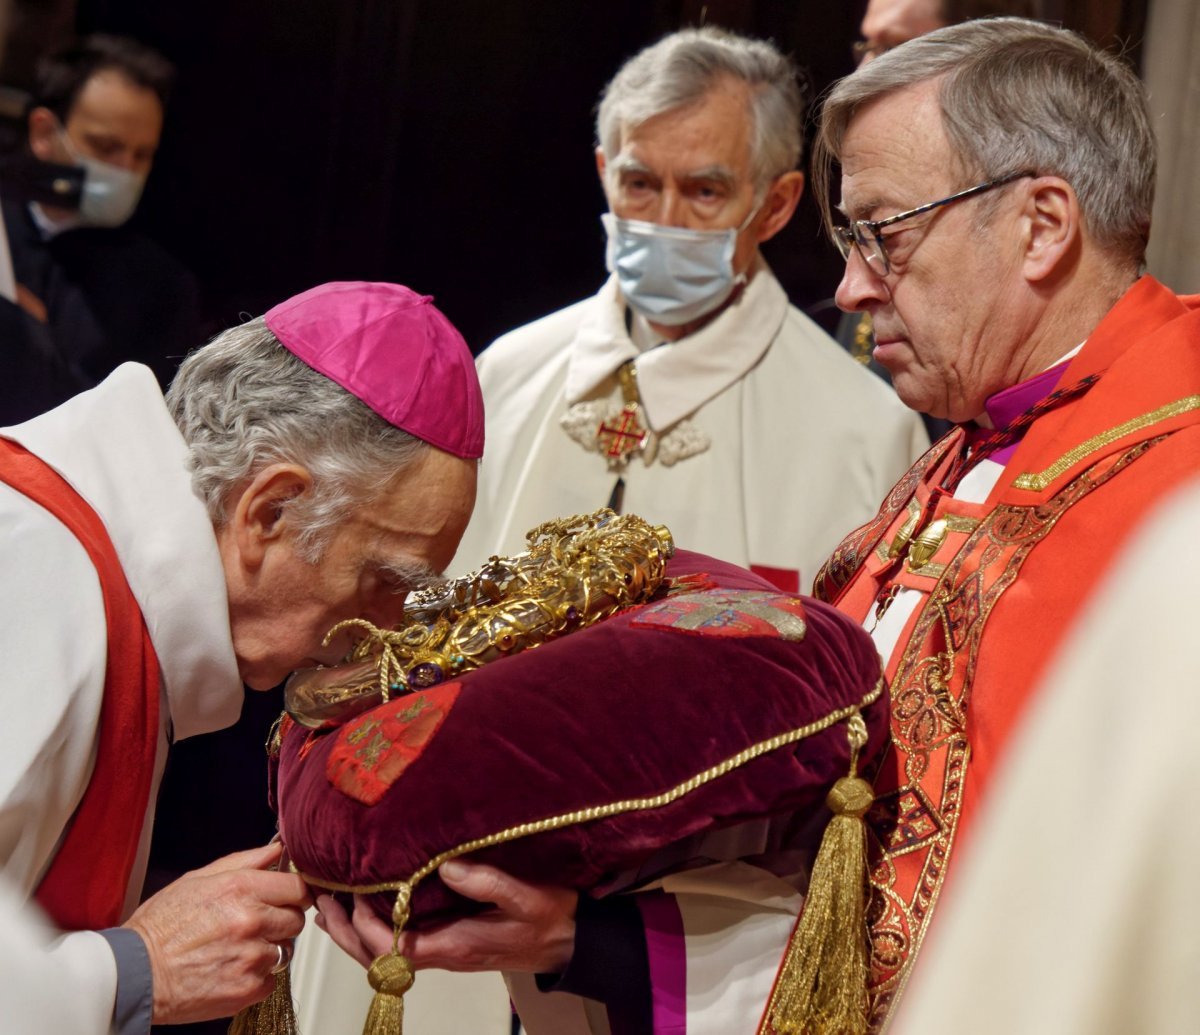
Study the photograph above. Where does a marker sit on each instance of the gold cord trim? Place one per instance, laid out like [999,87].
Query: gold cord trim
[1039,480]
[595,812]
[961,523]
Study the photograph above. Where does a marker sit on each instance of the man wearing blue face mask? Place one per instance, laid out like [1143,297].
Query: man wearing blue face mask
[687,389]
[95,292]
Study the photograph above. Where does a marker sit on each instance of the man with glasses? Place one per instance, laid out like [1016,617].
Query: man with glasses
[887,24]
[996,182]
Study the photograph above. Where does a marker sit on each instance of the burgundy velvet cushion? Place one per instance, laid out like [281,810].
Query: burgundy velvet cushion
[628,708]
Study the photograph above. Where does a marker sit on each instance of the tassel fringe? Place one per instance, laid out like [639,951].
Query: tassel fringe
[822,985]
[390,976]
[275,1015]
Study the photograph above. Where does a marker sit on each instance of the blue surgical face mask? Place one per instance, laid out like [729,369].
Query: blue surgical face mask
[669,274]
[110,193]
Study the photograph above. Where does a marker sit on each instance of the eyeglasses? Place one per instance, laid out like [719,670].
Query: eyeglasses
[864,234]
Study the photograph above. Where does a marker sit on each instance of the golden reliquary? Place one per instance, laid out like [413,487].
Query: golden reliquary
[576,571]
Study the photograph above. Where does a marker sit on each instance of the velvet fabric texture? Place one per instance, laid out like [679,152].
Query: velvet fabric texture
[628,708]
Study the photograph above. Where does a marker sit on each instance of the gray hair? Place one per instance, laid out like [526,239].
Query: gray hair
[681,68]
[243,402]
[1017,95]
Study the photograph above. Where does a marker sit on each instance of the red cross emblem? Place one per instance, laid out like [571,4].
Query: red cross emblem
[621,436]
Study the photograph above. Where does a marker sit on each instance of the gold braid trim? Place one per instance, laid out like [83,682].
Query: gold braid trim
[603,811]
[1036,481]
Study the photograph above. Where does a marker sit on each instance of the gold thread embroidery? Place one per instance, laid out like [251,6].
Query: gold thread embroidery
[1035,481]
[961,523]
[595,812]
[956,770]
[927,720]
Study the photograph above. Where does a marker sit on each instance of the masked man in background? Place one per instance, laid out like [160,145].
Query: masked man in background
[687,389]
[95,292]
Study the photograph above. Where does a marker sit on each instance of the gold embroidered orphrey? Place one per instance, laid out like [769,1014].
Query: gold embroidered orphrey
[914,825]
[622,436]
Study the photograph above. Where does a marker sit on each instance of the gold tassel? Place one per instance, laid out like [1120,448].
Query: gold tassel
[275,1015]
[391,976]
[822,984]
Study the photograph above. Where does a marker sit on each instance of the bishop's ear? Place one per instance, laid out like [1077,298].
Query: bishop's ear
[260,516]
[1054,227]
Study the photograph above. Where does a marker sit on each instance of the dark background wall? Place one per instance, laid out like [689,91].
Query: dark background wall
[444,145]
[447,146]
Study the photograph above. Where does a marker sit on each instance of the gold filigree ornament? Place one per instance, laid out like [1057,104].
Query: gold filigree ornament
[576,571]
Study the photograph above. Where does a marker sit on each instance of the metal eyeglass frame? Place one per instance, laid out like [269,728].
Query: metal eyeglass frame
[873,248]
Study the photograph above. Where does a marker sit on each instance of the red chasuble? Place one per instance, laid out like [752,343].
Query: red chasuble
[85,885]
[1004,581]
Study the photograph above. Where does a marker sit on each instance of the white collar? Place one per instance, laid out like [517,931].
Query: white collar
[119,449]
[677,378]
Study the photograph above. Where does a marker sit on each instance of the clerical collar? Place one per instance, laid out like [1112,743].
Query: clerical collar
[1000,409]
[675,381]
[1006,405]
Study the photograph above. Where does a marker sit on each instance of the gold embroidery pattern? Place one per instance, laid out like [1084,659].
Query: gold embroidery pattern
[850,554]
[1039,480]
[915,824]
[961,523]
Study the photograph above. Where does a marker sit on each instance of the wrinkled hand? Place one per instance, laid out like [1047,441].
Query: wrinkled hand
[212,935]
[532,927]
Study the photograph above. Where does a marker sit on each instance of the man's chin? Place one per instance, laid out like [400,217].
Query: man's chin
[912,394]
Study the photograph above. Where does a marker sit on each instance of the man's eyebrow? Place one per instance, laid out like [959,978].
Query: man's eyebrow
[865,207]
[720,173]
[628,164]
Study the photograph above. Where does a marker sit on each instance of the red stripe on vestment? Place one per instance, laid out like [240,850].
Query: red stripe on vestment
[85,885]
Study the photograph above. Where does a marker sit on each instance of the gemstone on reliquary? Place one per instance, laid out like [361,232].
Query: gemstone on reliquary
[425,675]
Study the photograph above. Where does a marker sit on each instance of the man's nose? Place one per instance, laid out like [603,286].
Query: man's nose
[671,210]
[860,285]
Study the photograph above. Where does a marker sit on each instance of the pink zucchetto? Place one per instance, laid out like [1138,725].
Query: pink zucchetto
[393,349]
